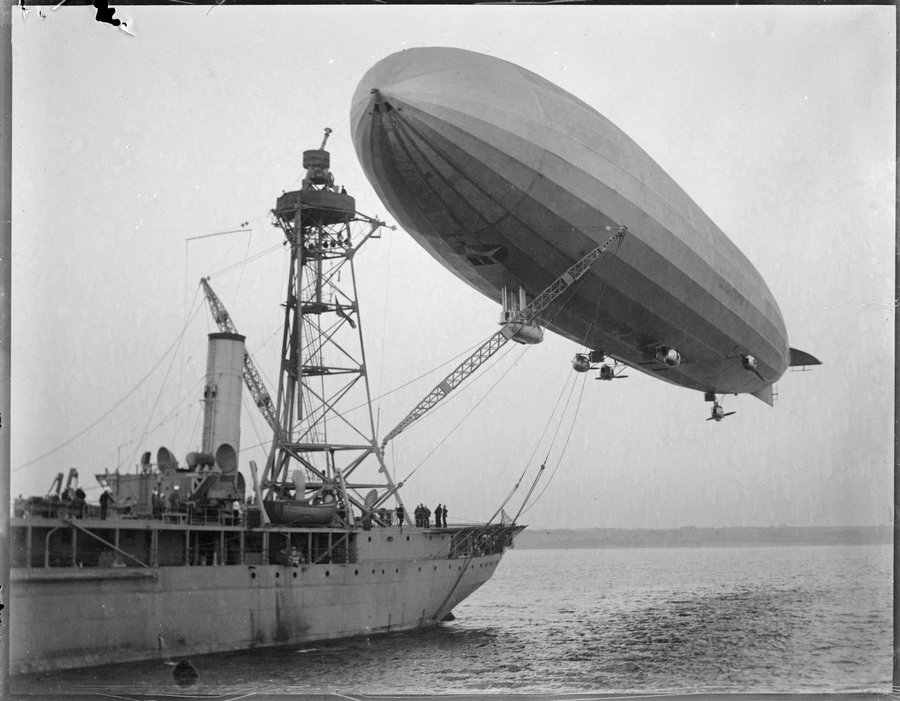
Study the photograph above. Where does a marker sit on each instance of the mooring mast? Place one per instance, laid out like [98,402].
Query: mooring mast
[323,366]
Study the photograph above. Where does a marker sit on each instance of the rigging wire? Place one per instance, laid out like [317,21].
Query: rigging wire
[559,424]
[534,450]
[456,357]
[525,509]
[162,385]
[594,317]
[237,289]
[530,491]
[468,413]
[175,412]
[387,289]
[115,406]
[246,261]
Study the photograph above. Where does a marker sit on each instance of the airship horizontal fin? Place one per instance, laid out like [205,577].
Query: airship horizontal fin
[799,357]
[766,394]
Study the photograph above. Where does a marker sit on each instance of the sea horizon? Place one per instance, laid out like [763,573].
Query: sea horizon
[702,536]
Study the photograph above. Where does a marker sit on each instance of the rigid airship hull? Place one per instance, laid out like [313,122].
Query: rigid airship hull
[507,179]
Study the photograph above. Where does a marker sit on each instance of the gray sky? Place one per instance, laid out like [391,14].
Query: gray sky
[777,121]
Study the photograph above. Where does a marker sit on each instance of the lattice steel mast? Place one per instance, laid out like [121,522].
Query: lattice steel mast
[323,369]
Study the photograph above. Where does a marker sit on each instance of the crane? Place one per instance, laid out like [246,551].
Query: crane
[513,325]
[252,379]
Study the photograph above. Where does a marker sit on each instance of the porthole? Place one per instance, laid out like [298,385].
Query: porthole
[382,571]
[397,571]
[370,539]
[356,572]
[327,573]
[295,575]
[407,537]
[277,575]
[253,575]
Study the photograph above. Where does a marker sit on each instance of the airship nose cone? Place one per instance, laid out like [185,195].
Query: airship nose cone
[434,77]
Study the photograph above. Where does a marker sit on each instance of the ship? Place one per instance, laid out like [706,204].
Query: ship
[184,558]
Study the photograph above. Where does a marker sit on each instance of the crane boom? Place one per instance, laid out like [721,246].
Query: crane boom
[525,316]
[258,391]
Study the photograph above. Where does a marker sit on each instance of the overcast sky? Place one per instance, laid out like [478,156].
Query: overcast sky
[777,121]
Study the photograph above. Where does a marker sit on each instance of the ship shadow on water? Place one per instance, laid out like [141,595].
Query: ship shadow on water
[384,663]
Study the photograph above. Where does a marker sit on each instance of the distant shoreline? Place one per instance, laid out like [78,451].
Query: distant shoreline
[690,536]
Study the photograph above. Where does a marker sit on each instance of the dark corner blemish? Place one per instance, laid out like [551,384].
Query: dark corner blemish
[105,14]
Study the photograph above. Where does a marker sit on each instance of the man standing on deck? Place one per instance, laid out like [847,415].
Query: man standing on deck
[105,498]
[400,515]
[437,516]
[426,517]
[80,502]
[444,515]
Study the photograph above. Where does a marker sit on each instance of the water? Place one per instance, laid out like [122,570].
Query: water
[676,620]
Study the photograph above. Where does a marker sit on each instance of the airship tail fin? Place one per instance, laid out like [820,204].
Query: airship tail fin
[802,358]
[766,394]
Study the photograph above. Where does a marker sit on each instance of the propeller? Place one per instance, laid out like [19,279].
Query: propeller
[718,413]
[608,372]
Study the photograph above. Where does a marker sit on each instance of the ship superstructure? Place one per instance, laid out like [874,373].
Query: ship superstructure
[176,560]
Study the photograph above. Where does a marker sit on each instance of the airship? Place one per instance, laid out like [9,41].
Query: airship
[507,180]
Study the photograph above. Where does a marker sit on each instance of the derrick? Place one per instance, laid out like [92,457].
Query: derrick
[515,322]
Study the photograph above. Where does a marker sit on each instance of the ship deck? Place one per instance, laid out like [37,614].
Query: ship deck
[88,591]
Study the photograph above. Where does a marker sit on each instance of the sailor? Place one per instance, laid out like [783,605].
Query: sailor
[79,502]
[174,499]
[105,498]
[426,516]
[400,515]
[437,516]
[68,496]
[444,515]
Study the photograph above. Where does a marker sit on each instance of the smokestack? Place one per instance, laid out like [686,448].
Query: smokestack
[222,398]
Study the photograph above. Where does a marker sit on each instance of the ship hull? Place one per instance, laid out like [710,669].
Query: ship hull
[67,617]
[507,179]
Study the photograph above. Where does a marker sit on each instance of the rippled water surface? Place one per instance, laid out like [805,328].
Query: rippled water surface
[792,619]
